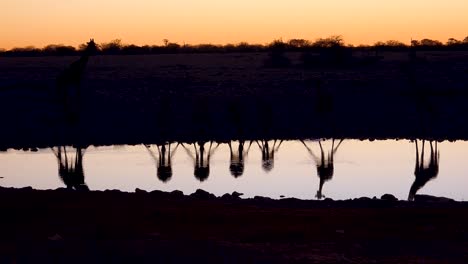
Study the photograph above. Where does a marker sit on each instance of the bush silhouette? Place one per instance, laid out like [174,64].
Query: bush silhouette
[113,47]
[59,50]
[276,55]
[330,42]
[330,51]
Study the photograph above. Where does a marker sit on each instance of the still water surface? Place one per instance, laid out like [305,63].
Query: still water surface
[289,168]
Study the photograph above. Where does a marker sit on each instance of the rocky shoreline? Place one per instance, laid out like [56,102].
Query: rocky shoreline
[141,227]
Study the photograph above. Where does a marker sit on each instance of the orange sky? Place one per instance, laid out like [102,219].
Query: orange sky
[42,22]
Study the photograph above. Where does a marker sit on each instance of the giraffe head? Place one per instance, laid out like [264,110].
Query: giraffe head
[91,47]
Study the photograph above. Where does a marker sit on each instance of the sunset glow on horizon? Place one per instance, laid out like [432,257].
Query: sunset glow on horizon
[72,22]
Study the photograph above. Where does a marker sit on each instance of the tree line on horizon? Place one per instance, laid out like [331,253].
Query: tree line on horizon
[116,47]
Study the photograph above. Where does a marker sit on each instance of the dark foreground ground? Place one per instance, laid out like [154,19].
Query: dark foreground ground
[99,227]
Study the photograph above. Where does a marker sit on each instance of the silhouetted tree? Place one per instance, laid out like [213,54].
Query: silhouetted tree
[113,47]
[393,44]
[26,51]
[299,43]
[330,42]
[172,47]
[430,42]
[452,41]
[58,50]
[415,43]
[276,55]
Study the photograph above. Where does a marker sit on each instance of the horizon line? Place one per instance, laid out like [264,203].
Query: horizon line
[183,43]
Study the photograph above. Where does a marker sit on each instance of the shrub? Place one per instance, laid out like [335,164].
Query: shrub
[276,56]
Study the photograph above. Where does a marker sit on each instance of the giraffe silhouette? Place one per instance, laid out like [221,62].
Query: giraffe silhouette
[201,159]
[325,164]
[68,83]
[237,159]
[163,159]
[424,172]
[268,153]
[70,167]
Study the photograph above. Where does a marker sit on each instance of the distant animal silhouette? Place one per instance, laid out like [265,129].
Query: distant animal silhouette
[201,159]
[238,158]
[325,164]
[268,153]
[163,160]
[68,83]
[424,172]
[71,167]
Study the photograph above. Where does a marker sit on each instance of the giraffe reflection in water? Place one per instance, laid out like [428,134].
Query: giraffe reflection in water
[424,171]
[70,167]
[162,155]
[201,158]
[268,150]
[325,163]
[238,157]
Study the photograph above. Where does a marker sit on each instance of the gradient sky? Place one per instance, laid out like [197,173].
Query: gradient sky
[41,22]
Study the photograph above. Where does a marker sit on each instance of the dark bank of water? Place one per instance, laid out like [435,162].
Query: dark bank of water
[311,169]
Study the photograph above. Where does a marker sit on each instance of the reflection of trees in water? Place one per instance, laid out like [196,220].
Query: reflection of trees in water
[201,158]
[325,163]
[71,167]
[162,155]
[268,150]
[238,158]
[424,171]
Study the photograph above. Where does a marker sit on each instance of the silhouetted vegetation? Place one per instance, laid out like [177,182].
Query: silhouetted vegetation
[327,52]
[332,49]
[276,54]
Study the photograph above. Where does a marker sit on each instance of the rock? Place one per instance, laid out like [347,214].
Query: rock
[27,189]
[140,191]
[430,198]
[201,194]
[236,194]
[114,192]
[157,192]
[262,199]
[388,197]
[363,199]
[328,200]
[177,193]
[227,196]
